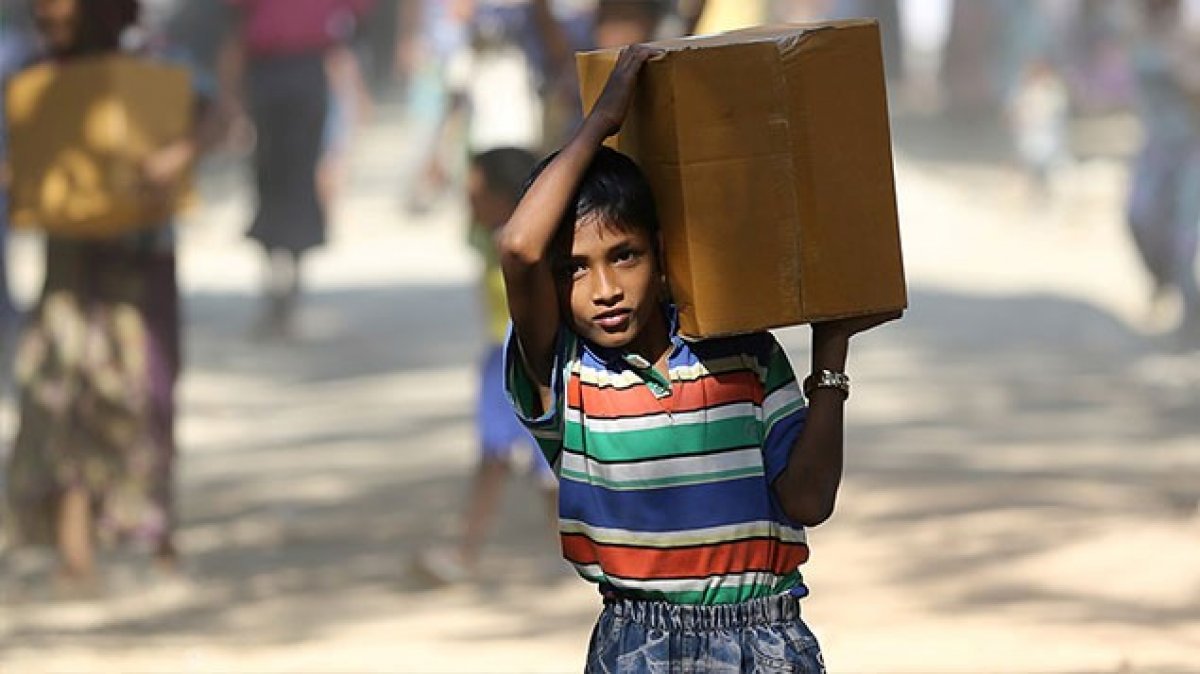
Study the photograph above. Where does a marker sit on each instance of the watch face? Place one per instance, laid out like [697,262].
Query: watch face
[837,379]
[827,379]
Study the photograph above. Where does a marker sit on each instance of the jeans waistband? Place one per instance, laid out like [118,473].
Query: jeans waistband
[692,617]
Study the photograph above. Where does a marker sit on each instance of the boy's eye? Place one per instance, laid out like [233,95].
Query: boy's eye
[625,255]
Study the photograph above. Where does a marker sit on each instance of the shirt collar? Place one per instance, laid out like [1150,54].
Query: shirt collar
[614,357]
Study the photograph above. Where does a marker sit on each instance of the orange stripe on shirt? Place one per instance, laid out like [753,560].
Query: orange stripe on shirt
[573,391]
[690,396]
[694,562]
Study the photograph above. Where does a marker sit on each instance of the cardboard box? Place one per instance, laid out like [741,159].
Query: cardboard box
[769,153]
[77,135]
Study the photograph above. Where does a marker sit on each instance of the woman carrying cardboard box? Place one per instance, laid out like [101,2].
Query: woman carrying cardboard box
[97,363]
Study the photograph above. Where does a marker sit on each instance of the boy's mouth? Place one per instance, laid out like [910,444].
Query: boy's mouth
[615,320]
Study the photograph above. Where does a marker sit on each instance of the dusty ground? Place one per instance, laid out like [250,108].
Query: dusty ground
[1021,489]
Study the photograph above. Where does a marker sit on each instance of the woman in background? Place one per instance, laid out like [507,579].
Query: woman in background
[97,363]
[277,60]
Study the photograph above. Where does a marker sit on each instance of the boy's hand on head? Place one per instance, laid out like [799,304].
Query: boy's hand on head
[613,105]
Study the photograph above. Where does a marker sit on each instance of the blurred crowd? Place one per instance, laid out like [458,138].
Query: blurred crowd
[287,82]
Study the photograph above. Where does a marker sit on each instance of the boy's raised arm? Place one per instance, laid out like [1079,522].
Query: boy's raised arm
[807,489]
[524,242]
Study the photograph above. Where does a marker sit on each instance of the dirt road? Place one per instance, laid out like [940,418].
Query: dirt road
[1021,490]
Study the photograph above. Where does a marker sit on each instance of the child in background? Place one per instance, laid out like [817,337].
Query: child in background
[687,469]
[1038,119]
[494,185]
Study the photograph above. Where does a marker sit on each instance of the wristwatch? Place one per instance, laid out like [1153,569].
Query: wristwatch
[827,379]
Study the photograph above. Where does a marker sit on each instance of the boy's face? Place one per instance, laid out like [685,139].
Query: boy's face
[610,284]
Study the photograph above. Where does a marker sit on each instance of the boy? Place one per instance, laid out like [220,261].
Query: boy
[494,184]
[687,471]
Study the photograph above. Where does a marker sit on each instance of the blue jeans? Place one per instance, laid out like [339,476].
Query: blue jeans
[761,636]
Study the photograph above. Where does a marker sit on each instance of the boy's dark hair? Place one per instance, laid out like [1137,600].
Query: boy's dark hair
[505,170]
[612,189]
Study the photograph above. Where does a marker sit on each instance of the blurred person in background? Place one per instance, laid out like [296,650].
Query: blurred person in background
[1164,203]
[1094,55]
[408,52]
[200,28]
[624,22]
[350,106]
[714,16]
[492,94]
[378,39]
[988,44]
[494,184]
[527,49]
[17,48]
[493,115]
[610,24]
[277,60]
[564,27]
[99,357]
[425,53]
[570,26]
[1038,116]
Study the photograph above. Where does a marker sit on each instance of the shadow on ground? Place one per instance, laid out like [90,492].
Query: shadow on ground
[1029,426]
[1029,409]
[345,334]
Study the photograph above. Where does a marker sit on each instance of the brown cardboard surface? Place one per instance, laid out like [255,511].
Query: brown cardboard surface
[769,153]
[77,135]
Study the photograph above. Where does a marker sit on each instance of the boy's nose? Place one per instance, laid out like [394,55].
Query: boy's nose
[606,291]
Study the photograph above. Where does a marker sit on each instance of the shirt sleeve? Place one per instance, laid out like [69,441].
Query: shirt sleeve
[784,408]
[546,426]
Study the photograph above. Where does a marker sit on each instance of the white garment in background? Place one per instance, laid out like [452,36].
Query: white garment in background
[504,108]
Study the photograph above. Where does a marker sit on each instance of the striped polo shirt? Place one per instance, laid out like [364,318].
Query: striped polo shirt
[664,483]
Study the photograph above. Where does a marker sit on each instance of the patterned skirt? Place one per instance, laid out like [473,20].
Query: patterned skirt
[96,368]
